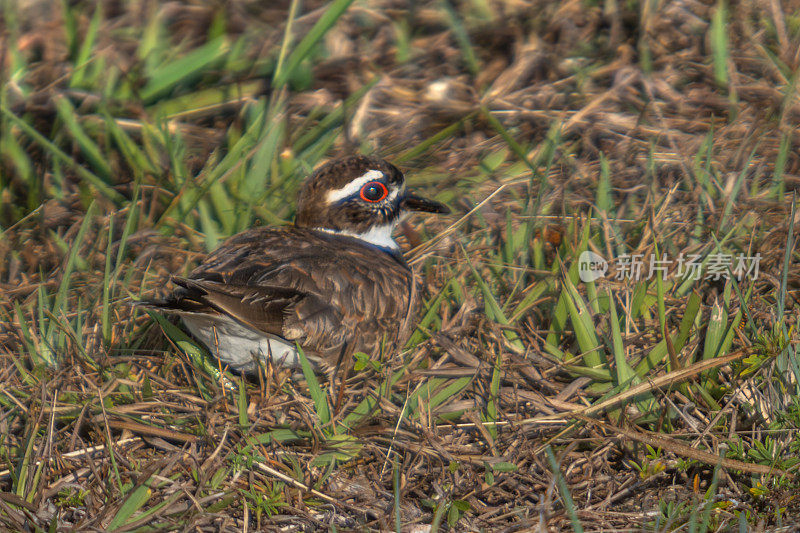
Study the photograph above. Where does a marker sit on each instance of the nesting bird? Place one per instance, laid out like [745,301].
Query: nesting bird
[335,283]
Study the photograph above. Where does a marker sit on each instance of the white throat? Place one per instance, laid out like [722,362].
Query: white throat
[377,235]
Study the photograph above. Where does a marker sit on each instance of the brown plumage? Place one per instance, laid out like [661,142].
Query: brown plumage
[334,283]
[314,212]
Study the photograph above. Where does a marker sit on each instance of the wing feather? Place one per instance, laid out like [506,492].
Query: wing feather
[318,289]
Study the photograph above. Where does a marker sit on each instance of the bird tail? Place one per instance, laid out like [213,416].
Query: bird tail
[181,301]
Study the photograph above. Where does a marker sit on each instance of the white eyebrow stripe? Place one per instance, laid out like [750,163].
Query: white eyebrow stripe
[354,186]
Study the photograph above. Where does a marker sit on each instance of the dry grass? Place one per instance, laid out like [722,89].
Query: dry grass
[521,402]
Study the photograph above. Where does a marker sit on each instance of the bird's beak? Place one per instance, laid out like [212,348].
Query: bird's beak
[412,202]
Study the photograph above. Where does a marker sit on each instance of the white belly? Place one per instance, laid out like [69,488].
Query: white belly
[236,345]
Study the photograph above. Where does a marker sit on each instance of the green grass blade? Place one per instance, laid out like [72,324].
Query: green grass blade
[603,196]
[189,347]
[512,143]
[88,147]
[560,314]
[441,135]
[716,330]
[709,498]
[135,501]
[730,201]
[303,49]
[105,323]
[22,165]
[398,524]
[441,507]
[581,319]
[563,489]
[368,405]
[134,156]
[778,178]
[624,373]
[534,293]
[75,246]
[244,421]
[287,38]
[494,392]
[434,392]
[63,158]
[462,38]
[494,310]
[719,44]
[657,354]
[22,488]
[154,510]
[317,394]
[208,225]
[167,76]
[791,350]
[30,345]
[84,55]
[787,260]
[130,226]
[70,27]
[431,315]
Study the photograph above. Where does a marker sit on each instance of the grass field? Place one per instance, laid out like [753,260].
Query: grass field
[661,136]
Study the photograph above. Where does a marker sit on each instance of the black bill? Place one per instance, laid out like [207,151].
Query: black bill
[412,202]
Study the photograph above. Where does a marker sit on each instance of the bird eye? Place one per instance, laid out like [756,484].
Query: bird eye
[374,191]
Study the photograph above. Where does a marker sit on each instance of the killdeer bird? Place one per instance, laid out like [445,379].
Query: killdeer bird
[335,283]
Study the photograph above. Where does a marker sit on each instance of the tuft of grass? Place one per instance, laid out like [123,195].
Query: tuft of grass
[134,139]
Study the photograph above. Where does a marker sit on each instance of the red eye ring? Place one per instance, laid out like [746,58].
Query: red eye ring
[374,192]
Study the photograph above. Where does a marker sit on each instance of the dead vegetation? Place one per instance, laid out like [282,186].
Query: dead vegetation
[522,402]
